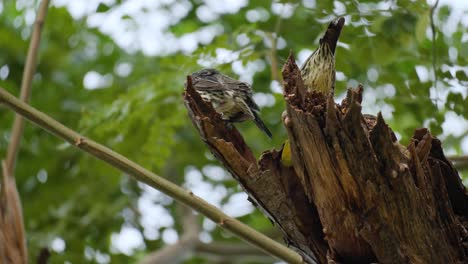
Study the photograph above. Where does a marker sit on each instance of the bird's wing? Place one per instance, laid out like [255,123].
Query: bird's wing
[238,85]
[247,108]
[254,112]
[207,84]
[245,87]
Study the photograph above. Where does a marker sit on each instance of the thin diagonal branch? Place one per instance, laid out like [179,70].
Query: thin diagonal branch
[273,37]
[434,48]
[28,74]
[11,216]
[183,248]
[463,158]
[459,162]
[230,250]
[143,175]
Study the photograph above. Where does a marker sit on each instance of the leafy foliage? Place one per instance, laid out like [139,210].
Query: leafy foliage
[116,91]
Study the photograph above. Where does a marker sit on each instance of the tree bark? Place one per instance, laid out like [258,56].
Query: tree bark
[352,194]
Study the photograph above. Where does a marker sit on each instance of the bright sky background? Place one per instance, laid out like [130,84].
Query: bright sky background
[147,32]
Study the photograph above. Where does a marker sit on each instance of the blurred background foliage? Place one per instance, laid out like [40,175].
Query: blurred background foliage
[115,71]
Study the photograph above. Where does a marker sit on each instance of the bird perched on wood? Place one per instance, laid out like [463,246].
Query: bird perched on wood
[231,98]
[318,71]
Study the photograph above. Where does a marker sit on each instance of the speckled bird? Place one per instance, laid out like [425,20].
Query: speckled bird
[231,98]
[318,71]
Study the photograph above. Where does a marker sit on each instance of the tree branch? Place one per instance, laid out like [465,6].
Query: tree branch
[141,174]
[459,162]
[229,250]
[28,74]
[273,37]
[434,48]
[11,216]
[190,244]
[177,252]
[463,158]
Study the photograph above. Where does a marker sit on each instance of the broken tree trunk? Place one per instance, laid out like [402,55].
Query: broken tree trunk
[353,194]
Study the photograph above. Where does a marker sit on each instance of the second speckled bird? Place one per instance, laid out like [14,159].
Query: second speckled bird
[318,71]
[229,97]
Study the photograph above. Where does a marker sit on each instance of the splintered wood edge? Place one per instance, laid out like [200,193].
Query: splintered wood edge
[292,81]
[457,192]
[392,157]
[381,140]
[306,236]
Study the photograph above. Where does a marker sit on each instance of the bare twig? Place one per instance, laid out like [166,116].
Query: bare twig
[228,249]
[273,37]
[189,244]
[13,248]
[141,174]
[458,158]
[28,73]
[272,54]
[235,253]
[11,216]
[434,48]
[459,162]
[177,252]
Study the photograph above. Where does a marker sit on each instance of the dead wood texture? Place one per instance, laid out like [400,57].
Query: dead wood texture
[353,194]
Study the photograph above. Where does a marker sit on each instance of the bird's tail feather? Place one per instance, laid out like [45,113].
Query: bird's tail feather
[261,125]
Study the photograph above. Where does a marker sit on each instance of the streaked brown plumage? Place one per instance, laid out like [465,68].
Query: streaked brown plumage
[229,97]
[318,71]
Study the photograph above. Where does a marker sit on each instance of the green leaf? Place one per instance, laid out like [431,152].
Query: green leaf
[102,8]
[461,75]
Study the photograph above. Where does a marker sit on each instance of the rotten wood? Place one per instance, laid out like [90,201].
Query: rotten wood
[273,188]
[353,194]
